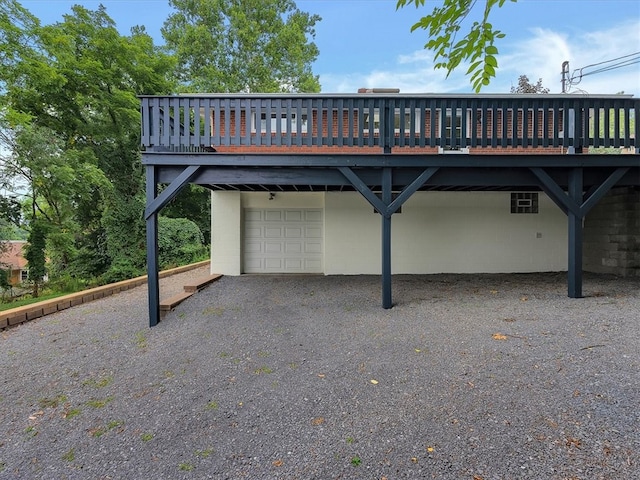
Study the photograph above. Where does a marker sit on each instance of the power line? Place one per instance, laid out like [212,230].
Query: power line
[605,66]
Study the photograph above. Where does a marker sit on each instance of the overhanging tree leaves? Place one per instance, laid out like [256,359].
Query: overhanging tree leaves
[242,45]
[476,46]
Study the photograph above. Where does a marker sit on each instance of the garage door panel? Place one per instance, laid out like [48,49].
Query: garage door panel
[253,232]
[313,216]
[293,248]
[313,232]
[293,215]
[273,247]
[253,215]
[272,232]
[292,232]
[273,264]
[283,240]
[273,215]
[253,264]
[253,247]
[312,265]
[293,264]
[311,247]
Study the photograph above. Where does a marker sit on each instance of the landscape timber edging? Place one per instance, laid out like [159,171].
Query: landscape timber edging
[26,313]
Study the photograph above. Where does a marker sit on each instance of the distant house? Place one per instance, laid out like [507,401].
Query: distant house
[12,259]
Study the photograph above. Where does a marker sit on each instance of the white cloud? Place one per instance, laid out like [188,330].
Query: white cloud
[538,54]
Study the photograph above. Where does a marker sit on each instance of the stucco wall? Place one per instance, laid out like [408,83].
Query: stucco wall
[457,232]
[226,233]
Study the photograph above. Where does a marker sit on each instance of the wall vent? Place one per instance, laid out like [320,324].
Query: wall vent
[524,202]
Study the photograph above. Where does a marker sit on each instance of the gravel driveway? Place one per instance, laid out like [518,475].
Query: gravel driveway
[475,377]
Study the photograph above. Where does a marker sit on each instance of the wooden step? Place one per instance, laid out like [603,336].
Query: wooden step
[201,283]
[172,302]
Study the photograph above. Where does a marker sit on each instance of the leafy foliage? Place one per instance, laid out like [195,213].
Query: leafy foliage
[193,202]
[524,86]
[180,241]
[477,47]
[247,46]
[34,254]
[70,119]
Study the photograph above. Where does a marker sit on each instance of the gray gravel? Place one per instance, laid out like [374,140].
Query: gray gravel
[307,377]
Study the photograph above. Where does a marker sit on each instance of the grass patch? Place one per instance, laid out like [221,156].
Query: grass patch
[98,383]
[114,424]
[215,311]
[262,370]
[98,402]
[28,301]
[186,467]
[70,456]
[212,405]
[145,437]
[31,431]
[73,412]
[52,402]
[356,461]
[141,340]
[204,453]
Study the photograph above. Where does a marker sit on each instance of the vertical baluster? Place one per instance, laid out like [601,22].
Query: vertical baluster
[434,117]
[310,120]
[216,140]
[197,138]
[329,136]
[226,111]
[422,110]
[361,125]
[300,130]
[237,117]
[206,116]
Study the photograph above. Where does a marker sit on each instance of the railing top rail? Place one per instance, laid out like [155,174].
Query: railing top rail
[502,96]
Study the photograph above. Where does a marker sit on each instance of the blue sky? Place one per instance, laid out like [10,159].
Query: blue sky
[367,43]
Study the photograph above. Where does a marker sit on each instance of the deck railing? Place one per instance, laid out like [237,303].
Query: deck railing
[195,122]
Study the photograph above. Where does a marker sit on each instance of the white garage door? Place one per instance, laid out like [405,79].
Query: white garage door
[287,240]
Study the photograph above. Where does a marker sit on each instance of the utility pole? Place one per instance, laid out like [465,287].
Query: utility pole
[565,75]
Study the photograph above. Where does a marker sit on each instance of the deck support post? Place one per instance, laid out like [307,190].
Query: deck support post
[386,239]
[574,273]
[153,281]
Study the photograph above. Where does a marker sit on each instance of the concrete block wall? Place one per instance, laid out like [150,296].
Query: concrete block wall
[612,234]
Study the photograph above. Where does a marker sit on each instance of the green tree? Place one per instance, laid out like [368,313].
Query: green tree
[525,86]
[242,45]
[53,180]
[475,46]
[34,254]
[80,78]
[5,285]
